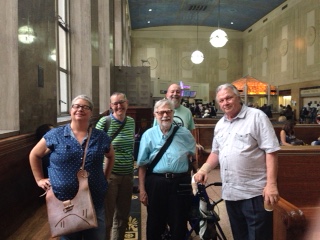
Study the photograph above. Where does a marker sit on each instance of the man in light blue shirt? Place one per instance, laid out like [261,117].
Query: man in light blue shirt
[182,115]
[159,188]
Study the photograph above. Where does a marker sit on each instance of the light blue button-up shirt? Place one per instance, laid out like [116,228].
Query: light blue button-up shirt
[175,159]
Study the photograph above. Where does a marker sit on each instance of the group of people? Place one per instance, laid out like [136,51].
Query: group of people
[265,108]
[244,144]
[286,111]
[308,113]
[246,147]
[200,110]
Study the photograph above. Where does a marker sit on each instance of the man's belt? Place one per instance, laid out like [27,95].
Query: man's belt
[172,175]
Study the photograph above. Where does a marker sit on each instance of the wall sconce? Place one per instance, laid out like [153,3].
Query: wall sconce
[53,55]
[26,35]
[218,38]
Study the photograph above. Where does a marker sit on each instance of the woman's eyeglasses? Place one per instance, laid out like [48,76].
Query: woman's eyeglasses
[119,102]
[78,106]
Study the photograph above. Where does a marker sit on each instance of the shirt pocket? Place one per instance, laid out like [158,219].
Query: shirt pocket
[170,158]
[241,140]
[220,139]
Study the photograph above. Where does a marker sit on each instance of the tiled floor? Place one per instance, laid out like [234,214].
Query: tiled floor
[215,194]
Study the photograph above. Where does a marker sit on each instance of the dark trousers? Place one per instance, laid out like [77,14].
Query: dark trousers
[167,207]
[249,220]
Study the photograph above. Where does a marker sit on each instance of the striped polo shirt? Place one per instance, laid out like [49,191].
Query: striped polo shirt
[123,143]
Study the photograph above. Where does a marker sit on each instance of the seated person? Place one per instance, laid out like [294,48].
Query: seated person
[287,137]
[206,114]
[317,142]
[282,119]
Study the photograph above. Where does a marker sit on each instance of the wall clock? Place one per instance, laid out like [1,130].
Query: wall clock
[223,63]
[311,35]
[186,63]
[283,47]
[153,62]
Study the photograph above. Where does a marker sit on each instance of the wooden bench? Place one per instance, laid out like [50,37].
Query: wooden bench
[20,193]
[203,134]
[206,120]
[295,216]
[306,132]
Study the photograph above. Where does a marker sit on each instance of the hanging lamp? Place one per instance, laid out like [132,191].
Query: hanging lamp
[197,56]
[218,38]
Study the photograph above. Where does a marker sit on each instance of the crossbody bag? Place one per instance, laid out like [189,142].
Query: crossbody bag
[76,214]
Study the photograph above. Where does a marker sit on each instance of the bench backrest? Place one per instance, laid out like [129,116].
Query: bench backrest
[306,132]
[298,175]
[20,193]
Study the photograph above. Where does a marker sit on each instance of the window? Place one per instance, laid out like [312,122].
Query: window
[63,56]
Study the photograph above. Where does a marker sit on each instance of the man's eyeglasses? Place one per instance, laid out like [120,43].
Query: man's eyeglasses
[119,102]
[161,113]
[78,106]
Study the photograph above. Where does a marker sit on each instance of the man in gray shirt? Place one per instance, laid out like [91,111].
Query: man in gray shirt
[245,145]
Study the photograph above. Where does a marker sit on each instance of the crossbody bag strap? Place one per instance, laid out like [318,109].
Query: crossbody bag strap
[107,123]
[119,129]
[162,150]
[85,150]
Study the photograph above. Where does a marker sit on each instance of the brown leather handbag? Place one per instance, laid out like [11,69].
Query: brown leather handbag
[73,215]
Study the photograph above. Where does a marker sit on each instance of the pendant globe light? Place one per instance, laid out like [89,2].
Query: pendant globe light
[218,38]
[197,56]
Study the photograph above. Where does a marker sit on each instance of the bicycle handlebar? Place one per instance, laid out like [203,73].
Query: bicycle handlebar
[201,187]
[217,184]
[214,184]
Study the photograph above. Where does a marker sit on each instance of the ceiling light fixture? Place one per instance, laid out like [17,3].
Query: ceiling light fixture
[218,38]
[197,56]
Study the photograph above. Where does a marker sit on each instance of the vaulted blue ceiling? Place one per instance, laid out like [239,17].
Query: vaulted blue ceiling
[234,14]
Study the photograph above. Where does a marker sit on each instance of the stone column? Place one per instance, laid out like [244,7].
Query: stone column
[118,32]
[104,54]
[9,91]
[81,59]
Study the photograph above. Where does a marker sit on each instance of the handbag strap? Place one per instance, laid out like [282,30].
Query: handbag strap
[119,129]
[85,150]
[162,150]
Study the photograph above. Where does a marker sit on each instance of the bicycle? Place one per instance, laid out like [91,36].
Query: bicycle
[203,220]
